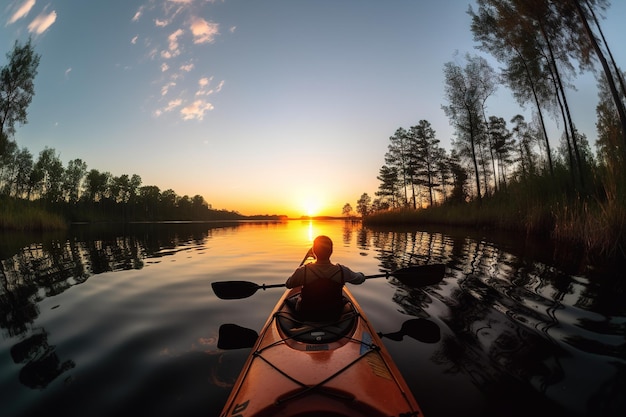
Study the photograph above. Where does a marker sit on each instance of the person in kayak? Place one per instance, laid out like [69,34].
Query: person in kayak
[322,281]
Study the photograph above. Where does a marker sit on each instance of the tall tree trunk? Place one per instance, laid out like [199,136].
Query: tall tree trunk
[561,89]
[473,145]
[607,71]
[618,73]
[538,104]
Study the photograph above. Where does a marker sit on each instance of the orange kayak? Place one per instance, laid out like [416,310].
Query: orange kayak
[303,369]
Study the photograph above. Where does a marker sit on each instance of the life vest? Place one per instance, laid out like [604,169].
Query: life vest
[321,296]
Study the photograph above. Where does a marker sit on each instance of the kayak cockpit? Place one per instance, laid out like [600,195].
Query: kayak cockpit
[311,332]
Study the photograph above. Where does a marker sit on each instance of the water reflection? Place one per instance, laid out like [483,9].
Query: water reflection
[515,319]
[520,327]
[41,364]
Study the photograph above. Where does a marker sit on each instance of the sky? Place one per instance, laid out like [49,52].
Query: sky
[261,107]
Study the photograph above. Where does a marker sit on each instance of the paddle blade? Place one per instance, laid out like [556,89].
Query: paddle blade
[420,276]
[421,329]
[234,290]
[232,336]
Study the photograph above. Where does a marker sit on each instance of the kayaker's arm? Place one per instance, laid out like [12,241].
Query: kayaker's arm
[352,277]
[296,279]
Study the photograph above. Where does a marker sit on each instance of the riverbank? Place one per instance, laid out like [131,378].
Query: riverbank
[22,215]
[597,228]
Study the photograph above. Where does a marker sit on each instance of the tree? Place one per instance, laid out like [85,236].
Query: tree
[611,149]
[51,168]
[73,178]
[425,152]
[389,185]
[363,205]
[16,86]
[96,185]
[23,169]
[466,89]
[346,210]
[502,145]
[398,157]
[500,31]
[459,175]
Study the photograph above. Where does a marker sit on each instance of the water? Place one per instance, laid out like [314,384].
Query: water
[104,321]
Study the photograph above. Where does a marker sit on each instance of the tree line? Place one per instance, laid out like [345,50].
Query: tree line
[540,44]
[75,191]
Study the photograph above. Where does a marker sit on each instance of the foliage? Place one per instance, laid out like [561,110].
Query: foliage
[17,86]
[520,182]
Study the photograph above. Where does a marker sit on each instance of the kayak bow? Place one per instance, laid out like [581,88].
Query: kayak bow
[338,368]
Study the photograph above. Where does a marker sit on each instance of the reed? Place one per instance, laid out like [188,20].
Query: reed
[19,215]
[599,227]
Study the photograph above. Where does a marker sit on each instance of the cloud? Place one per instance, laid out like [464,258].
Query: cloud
[67,72]
[186,67]
[203,87]
[203,31]
[173,45]
[42,22]
[196,110]
[173,104]
[166,88]
[138,14]
[179,27]
[22,11]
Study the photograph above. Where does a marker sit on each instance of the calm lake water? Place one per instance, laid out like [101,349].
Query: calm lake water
[103,321]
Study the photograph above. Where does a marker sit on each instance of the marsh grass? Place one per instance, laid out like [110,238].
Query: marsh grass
[538,209]
[21,215]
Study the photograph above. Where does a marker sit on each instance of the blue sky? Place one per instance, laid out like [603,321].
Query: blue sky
[259,106]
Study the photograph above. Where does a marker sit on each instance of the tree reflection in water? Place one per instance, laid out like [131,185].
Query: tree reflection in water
[513,318]
[35,271]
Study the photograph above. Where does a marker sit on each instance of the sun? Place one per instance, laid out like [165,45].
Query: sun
[311,207]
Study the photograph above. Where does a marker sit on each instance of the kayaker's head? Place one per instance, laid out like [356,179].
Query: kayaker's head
[322,248]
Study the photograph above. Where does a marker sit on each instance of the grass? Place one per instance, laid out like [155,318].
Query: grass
[20,215]
[598,227]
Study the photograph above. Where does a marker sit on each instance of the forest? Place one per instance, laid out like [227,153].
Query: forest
[508,174]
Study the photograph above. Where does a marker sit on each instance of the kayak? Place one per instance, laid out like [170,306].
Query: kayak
[338,368]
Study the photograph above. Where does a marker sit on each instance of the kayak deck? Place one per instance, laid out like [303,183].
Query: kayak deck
[338,368]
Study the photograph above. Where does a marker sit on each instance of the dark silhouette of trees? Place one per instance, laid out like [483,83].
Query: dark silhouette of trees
[466,90]
[17,87]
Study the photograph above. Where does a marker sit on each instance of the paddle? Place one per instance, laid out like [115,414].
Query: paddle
[419,329]
[232,336]
[413,276]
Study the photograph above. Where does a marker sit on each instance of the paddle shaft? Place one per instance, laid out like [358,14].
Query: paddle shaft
[415,276]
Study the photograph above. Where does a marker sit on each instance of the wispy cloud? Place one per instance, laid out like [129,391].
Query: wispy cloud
[203,31]
[166,88]
[173,47]
[22,11]
[42,22]
[204,87]
[186,67]
[138,14]
[179,28]
[196,110]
